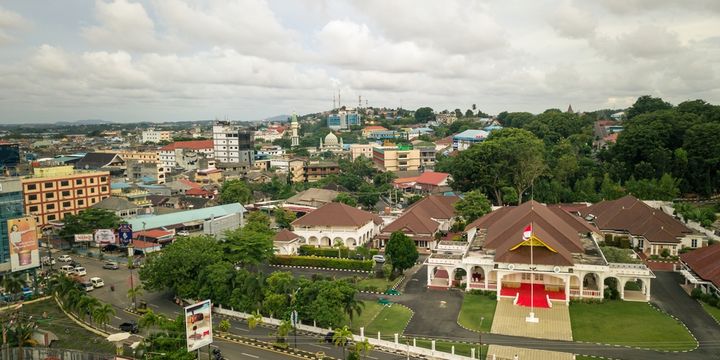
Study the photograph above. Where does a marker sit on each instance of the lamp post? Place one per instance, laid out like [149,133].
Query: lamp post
[482,318]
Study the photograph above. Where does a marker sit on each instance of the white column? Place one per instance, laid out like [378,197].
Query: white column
[468,278]
[396,339]
[429,274]
[498,276]
[567,290]
[362,333]
[485,276]
[647,289]
[621,286]
[582,281]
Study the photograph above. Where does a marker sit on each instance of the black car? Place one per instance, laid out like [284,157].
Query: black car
[110,248]
[130,327]
[329,337]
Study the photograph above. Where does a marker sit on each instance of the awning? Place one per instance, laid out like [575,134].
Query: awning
[193,223]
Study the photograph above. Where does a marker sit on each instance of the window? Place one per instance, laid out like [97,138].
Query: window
[78,182]
[32,197]
[67,213]
[79,192]
[93,200]
[81,202]
[694,243]
[50,207]
[31,187]
[51,217]
[104,188]
[66,193]
[49,185]
[525,276]
[538,277]
[92,190]
[49,195]
[33,209]
[103,179]
[65,183]
[66,204]
[92,180]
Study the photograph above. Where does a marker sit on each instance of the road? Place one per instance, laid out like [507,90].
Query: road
[162,302]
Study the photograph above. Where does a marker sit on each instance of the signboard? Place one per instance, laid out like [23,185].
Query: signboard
[83,237]
[125,234]
[198,325]
[104,236]
[294,318]
[23,236]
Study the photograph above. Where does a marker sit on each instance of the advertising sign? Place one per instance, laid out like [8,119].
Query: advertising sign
[83,237]
[24,252]
[104,236]
[198,325]
[125,234]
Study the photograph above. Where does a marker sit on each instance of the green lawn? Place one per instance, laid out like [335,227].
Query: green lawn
[446,346]
[380,284]
[628,323]
[473,308]
[70,334]
[389,321]
[713,311]
[369,311]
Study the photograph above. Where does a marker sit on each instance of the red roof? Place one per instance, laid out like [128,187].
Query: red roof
[374,128]
[445,141]
[704,262]
[192,145]
[286,235]
[432,178]
[151,234]
[189,183]
[139,244]
[198,192]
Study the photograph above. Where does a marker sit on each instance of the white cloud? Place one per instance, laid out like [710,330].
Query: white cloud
[122,25]
[572,22]
[10,21]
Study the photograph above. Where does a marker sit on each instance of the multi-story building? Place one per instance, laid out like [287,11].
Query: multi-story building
[153,136]
[9,155]
[139,171]
[428,154]
[11,207]
[334,122]
[182,153]
[233,144]
[296,170]
[53,192]
[359,150]
[344,119]
[317,170]
[131,155]
[396,158]
[468,138]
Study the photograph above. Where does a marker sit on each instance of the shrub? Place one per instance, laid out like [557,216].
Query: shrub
[309,250]
[324,262]
[696,293]
[665,253]
[624,242]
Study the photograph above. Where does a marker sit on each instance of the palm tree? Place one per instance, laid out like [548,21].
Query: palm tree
[363,347]
[71,299]
[351,306]
[13,284]
[152,320]
[86,305]
[102,313]
[341,337]
[61,285]
[283,330]
[22,332]
[254,320]
[134,293]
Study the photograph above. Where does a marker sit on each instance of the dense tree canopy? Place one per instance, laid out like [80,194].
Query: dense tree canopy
[401,251]
[87,221]
[473,205]
[235,191]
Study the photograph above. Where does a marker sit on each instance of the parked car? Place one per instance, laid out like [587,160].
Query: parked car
[67,269]
[80,271]
[64,258]
[183,233]
[111,265]
[110,248]
[379,258]
[329,337]
[130,327]
[97,282]
[46,260]
[87,286]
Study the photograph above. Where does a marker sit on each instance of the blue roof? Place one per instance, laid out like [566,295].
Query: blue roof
[471,135]
[158,221]
[152,186]
[492,127]
[148,179]
[119,185]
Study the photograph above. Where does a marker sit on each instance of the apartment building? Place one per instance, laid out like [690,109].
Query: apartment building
[396,158]
[153,136]
[233,144]
[359,150]
[53,192]
[11,204]
[184,154]
[318,170]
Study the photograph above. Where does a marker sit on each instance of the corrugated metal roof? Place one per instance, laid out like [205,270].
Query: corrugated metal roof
[157,221]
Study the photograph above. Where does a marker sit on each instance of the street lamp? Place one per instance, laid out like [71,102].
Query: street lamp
[482,318]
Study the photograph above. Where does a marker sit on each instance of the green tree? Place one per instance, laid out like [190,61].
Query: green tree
[368,195]
[224,325]
[473,205]
[469,113]
[151,320]
[703,157]
[86,222]
[135,292]
[610,190]
[255,320]
[424,114]
[235,191]
[283,217]
[249,247]
[363,347]
[401,252]
[13,283]
[346,199]
[646,104]
[86,306]
[341,337]
[102,314]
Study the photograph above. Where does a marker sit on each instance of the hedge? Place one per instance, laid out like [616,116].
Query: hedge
[324,262]
[309,250]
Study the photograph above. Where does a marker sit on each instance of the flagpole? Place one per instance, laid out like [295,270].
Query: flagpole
[532,318]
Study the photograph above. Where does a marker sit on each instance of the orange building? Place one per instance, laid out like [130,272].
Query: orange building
[53,192]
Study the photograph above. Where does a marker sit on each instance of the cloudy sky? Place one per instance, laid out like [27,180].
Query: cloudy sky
[172,60]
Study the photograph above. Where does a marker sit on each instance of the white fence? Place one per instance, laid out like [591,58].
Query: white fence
[395,345]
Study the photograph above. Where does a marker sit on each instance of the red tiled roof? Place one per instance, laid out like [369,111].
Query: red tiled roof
[157,233]
[337,214]
[144,244]
[198,192]
[432,178]
[286,235]
[445,141]
[704,262]
[192,145]
[374,128]
[189,183]
[418,218]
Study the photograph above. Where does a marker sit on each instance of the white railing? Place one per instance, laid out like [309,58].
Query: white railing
[375,341]
[548,300]
[517,297]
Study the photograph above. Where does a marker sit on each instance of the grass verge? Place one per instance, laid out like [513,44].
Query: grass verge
[628,323]
[391,320]
[462,349]
[474,307]
[713,311]
[370,310]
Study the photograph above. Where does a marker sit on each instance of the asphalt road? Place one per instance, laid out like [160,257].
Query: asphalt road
[163,303]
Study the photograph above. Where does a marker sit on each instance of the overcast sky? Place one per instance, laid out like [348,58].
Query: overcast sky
[158,60]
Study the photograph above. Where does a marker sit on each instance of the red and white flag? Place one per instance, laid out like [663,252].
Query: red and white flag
[527,233]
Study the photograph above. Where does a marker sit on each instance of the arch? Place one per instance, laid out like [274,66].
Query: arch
[337,241]
[611,288]
[591,281]
[477,274]
[313,240]
[325,241]
[351,242]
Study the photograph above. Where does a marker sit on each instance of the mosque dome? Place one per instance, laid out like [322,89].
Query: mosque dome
[331,140]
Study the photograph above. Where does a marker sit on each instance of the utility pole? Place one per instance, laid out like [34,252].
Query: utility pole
[482,318]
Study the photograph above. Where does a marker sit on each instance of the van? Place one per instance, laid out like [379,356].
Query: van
[97,282]
[80,271]
[67,269]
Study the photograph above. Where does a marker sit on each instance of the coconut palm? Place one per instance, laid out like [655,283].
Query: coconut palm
[363,347]
[283,330]
[102,314]
[72,298]
[352,306]
[13,284]
[61,285]
[254,320]
[152,320]
[341,337]
[86,305]
[133,293]
[22,332]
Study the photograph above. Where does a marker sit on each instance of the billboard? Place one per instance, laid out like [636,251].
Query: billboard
[83,237]
[125,234]
[24,252]
[104,236]
[198,325]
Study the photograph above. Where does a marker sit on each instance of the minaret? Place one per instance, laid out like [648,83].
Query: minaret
[295,139]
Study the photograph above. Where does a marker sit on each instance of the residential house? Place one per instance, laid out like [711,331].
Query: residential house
[361,150]
[701,269]
[424,222]
[286,242]
[122,207]
[337,223]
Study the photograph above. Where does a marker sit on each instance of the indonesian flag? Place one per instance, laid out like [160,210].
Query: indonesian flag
[527,233]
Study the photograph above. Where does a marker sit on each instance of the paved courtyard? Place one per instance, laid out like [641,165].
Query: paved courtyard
[554,322]
[507,352]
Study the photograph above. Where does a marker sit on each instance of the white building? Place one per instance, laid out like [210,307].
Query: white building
[153,136]
[337,223]
[183,152]
[232,144]
[358,150]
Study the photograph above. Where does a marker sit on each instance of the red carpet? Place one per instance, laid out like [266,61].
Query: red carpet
[539,300]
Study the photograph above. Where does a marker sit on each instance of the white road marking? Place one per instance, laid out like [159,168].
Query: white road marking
[241,329]
[251,355]
[320,346]
[118,318]
[371,357]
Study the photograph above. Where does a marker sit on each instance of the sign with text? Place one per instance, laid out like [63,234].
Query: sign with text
[125,234]
[83,237]
[104,236]
[24,249]
[198,325]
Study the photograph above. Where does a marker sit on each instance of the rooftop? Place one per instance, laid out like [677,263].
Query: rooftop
[188,216]
[191,145]
[337,214]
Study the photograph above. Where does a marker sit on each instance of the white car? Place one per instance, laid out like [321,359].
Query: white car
[67,269]
[379,258]
[80,271]
[97,282]
[183,233]
[64,258]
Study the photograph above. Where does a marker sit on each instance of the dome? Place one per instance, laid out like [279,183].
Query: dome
[331,139]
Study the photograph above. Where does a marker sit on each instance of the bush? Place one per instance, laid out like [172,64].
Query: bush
[696,293]
[624,242]
[309,250]
[324,262]
[665,253]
